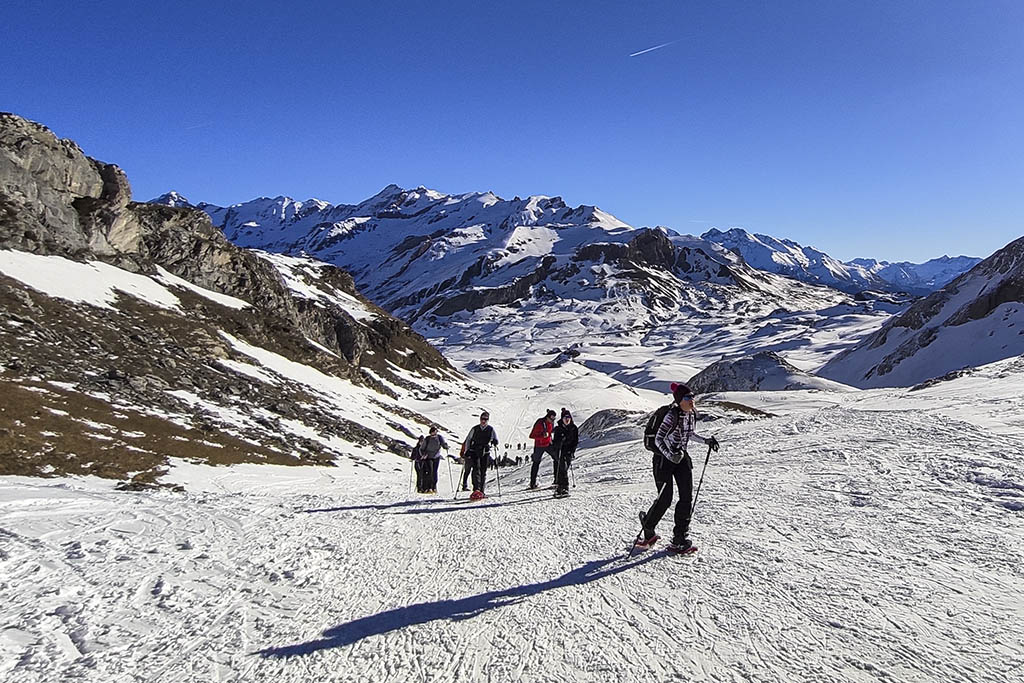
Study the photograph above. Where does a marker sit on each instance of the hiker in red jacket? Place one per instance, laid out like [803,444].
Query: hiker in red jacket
[542,432]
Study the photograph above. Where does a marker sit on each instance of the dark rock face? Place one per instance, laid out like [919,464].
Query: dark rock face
[490,296]
[56,201]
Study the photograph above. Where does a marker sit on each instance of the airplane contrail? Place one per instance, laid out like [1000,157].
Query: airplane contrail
[656,47]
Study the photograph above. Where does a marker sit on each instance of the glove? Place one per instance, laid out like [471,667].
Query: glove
[713,443]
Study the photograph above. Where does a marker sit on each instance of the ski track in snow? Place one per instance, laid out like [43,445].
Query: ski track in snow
[835,545]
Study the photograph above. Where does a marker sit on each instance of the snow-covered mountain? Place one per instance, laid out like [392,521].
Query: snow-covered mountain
[975,319]
[808,264]
[457,266]
[172,199]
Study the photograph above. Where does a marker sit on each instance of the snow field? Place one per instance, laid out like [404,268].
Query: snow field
[836,545]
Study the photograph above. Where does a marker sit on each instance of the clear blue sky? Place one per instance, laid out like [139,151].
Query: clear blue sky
[887,129]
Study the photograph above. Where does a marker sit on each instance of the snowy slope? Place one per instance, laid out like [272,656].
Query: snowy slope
[976,319]
[820,559]
[808,264]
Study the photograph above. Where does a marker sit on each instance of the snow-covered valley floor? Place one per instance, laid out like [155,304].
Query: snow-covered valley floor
[836,544]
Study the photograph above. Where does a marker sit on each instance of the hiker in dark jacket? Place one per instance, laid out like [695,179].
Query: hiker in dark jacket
[564,441]
[477,447]
[420,464]
[430,449]
[672,463]
[542,435]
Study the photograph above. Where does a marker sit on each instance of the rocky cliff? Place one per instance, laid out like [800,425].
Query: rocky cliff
[190,361]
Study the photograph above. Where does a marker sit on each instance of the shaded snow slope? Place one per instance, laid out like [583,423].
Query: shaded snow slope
[975,319]
[808,264]
[833,547]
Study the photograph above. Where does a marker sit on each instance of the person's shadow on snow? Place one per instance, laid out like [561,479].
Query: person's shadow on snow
[456,610]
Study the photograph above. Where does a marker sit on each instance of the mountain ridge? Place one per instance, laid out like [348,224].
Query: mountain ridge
[776,255]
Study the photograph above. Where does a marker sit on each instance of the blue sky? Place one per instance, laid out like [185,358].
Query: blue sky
[891,130]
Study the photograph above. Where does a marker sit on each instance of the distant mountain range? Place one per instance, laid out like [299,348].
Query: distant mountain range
[440,261]
[314,226]
[808,264]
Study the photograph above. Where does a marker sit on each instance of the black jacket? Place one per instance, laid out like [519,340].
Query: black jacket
[566,439]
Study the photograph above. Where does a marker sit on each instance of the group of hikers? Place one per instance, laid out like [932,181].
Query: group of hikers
[668,433]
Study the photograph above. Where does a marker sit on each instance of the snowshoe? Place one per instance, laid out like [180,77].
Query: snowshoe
[686,547]
[561,494]
[645,543]
[477,495]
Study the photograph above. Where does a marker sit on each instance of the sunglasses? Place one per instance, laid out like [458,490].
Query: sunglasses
[686,398]
[484,419]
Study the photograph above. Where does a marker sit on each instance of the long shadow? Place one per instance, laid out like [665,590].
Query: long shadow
[468,505]
[382,506]
[419,501]
[454,610]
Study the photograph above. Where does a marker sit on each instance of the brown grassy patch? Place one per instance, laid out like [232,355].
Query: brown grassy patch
[47,430]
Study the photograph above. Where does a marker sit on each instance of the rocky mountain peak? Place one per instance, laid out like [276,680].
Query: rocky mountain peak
[167,315]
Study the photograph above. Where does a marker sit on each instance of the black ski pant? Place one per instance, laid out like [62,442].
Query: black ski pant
[562,463]
[665,472]
[421,475]
[479,463]
[430,466]
[467,469]
[538,455]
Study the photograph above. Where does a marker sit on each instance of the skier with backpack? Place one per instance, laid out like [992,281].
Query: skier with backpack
[542,435]
[477,448]
[667,434]
[430,451]
[565,440]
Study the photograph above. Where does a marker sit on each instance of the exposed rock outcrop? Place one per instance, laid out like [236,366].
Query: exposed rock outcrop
[188,360]
[765,371]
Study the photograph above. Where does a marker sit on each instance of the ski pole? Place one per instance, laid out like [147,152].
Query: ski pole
[697,492]
[497,474]
[448,461]
[412,466]
[573,472]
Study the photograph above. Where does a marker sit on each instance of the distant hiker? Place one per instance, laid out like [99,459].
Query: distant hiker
[477,447]
[672,462]
[519,460]
[542,433]
[565,440]
[421,466]
[431,447]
